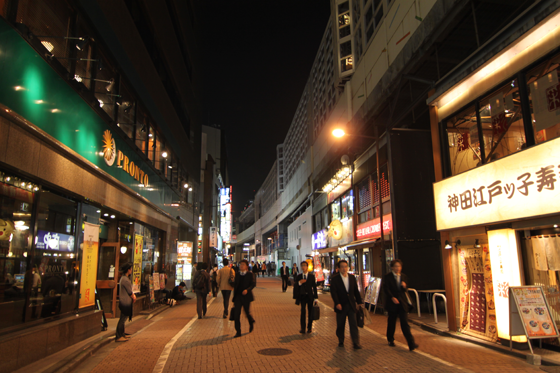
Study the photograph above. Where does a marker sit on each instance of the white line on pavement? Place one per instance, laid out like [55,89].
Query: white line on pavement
[160,365]
[405,346]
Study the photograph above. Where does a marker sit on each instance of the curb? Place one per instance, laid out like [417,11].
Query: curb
[544,361]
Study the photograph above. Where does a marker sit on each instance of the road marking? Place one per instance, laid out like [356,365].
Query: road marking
[432,357]
[160,365]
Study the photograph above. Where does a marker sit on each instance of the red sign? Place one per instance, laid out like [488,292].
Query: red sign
[373,228]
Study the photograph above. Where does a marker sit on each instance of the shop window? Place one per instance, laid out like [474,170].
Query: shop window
[344,20]
[364,195]
[343,7]
[55,257]
[347,64]
[344,32]
[365,216]
[49,20]
[369,15]
[16,227]
[318,225]
[348,205]
[151,143]
[141,129]
[346,49]
[105,87]
[463,141]
[544,97]
[325,219]
[502,122]
[335,210]
[126,111]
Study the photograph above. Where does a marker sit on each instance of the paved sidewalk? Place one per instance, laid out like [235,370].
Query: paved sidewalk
[467,355]
[208,345]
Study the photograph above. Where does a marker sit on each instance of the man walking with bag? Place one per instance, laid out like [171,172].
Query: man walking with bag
[305,294]
[347,298]
[201,286]
[397,303]
[285,274]
[243,296]
[226,277]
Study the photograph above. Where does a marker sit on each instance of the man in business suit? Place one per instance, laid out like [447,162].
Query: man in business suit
[397,303]
[305,294]
[243,296]
[285,274]
[346,297]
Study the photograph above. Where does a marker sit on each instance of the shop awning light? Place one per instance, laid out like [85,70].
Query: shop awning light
[448,245]
[476,243]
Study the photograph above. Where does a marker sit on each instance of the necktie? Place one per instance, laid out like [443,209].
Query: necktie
[305,277]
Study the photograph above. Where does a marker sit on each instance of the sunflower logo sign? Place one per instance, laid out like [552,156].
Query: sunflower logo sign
[113,156]
[109,148]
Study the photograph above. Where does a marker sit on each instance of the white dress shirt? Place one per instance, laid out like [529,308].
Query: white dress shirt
[346,281]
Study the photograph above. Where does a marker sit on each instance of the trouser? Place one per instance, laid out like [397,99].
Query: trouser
[306,303]
[201,304]
[214,289]
[120,326]
[347,311]
[247,307]
[402,315]
[226,294]
[284,282]
[180,296]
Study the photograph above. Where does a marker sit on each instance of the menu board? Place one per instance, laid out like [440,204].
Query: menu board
[372,291]
[156,281]
[533,311]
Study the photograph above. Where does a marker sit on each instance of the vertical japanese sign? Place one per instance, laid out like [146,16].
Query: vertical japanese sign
[137,264]
[88,277]
[151,287]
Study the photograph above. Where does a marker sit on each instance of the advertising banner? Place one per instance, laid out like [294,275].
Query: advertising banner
[156,281]
[162,281]
[373,289]
[319,275]
[88,279]
[137,264]
[533,311]
[152,293]
[184,251]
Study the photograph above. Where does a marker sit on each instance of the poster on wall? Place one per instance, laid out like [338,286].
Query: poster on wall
[184,251]
[162,277]
[156,281]
[372,292]
[88,279]
[319,275]
[528,304]
[137,264]
[151,287]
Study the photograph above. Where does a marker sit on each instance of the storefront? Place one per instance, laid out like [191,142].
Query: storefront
[497,207]
[78,198]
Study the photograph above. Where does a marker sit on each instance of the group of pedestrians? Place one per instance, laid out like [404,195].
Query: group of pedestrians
[262,268]
[241,280]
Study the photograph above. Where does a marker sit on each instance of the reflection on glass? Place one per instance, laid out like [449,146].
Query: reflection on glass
[464,144]
[335,210]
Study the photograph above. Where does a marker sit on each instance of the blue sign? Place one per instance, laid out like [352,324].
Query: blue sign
[54,241]
[319,240]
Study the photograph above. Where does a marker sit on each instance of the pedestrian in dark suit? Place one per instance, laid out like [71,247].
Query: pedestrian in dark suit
[285,274]
[346,297]
[243,296]
[305,294]
[395,287]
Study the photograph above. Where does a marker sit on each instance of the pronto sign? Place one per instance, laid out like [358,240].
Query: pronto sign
[110,153]
[522,185]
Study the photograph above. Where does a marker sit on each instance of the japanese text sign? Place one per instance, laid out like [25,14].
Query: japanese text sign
[319,239]
[534,312]
[525,184]
[373,228]
[89,265]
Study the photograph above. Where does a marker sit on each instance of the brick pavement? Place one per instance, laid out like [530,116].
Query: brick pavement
[208,345]
[467,355]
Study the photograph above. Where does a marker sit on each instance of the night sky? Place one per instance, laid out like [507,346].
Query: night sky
[258,56]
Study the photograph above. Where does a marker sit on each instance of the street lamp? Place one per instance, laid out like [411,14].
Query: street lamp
[338,132]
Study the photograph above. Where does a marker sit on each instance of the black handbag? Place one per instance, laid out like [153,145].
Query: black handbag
[316,312]
[360,317]
[232,314]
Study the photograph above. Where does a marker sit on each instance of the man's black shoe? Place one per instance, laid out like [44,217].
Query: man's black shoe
[340,344]
[237,335]
[392,344]
[309,331]
[357,347]
[413,347]
[302,331]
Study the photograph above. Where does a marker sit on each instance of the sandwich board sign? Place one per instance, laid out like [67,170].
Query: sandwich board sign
[529,314]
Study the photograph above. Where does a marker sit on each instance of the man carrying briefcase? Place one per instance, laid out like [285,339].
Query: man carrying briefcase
[305,294]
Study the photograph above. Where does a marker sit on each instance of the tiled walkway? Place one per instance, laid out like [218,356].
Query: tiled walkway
[178,342]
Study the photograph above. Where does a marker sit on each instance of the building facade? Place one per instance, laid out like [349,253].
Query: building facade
[100,133]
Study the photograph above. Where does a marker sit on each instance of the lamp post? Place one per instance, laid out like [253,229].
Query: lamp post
[339,133]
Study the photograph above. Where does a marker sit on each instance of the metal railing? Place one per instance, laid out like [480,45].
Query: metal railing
[417,300]
[435,309]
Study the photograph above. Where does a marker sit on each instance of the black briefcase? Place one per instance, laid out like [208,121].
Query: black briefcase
[232,314]
[360,317]
[316,312]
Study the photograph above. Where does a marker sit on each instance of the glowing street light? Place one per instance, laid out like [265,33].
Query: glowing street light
[338,133]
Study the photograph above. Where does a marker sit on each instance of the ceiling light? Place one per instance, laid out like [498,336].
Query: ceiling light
[23,185]
[130,223]
[555,225]
[8,178]
[150,135]
[105,214]
[39,101]
[77,78]
[48,45]
[55,111]
[338,133]
[448,245]
[98,211]
[123,249]
[112,216]
[169,166]
[101,103]
[164,154]
[80,45]
[190,189]
[19,88]
[110,86]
